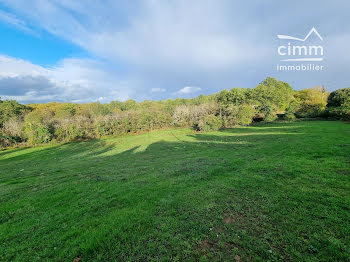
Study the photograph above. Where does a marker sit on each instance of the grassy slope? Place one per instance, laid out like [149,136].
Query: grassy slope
[267,192]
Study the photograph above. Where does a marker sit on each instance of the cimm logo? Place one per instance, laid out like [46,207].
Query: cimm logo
[297,50]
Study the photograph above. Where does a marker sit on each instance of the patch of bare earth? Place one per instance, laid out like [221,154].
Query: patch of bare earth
[77,259]
[237,258]
[230,218]
[204,246]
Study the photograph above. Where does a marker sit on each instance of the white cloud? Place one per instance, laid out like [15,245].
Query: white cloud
[12,67]
[75,80]
[155,44]
[158,35]
[15,21]
[189,90]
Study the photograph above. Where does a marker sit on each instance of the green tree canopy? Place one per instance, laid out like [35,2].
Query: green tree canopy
[9,109]
[236,96]
[272,92]
[339,97]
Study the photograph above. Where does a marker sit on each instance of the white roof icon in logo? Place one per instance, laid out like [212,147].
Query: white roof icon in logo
[313,30]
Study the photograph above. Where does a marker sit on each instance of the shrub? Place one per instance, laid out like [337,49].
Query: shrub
[191,115]
[339,97]
[245,114]
[10,109]
[209,123]
[342,112]
[14,127]
[310,102]
[181,115]
[36,131]
[339,104]
[6,141]
[69,129]
[267,112]
[41,123]
[239,115]
[289,113]
[270,117]
[289,116]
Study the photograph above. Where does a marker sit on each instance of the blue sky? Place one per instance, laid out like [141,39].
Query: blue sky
[43,49]
[82,51]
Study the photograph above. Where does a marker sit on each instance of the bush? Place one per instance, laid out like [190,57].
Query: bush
[209,123]
[339,97]
[69,129]
[10,109]
[289,113]
[310,102]
[289,116]
[245,114]
[239,115]
[14,127]
[270,117]
[267,112]
[342,112]
[191,115]
[6,141]
[36,131]
[41,123]
[339,104]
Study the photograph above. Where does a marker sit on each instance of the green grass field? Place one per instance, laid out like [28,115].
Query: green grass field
[265,192]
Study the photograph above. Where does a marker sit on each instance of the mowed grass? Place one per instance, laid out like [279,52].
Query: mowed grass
[265,192]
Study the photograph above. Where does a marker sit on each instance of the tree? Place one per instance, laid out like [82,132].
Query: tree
[236,96]
[310,102]
[10,109]
[128,105]
[339,97]
[277,94]
[209,123]
[36,130]
[238,115]
[339,103]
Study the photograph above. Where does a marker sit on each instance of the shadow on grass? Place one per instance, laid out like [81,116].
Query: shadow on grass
[98,158]
[94,148]
[164,199]
[86,148]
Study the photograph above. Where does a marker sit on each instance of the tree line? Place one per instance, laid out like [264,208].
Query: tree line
[62,122]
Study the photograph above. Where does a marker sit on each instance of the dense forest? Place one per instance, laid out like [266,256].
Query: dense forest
[270,100]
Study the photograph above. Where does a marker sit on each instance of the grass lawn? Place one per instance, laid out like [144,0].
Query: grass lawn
[266,192]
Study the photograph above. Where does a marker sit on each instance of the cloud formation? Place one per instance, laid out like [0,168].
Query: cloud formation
[148,49]
[189,90]
[75,80]
[14,21]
